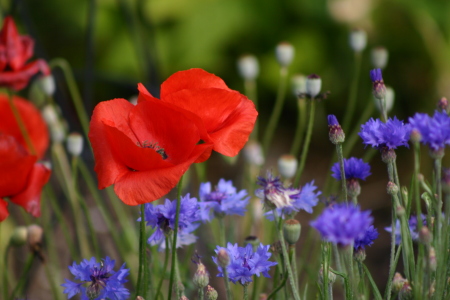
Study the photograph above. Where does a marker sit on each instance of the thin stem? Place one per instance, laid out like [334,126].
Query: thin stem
[299,130]
[250,91]
[274,118]
[166,262]
[256,282]
[312,107]
[245,291]
[348,260]
[342,169]
[279,287]
[55,289]
[201,293]
[376,292]
[5,273]
[24,276]
[174,243]
[140,291]
[227,284]
[285,254]
[348,290]
[350,108]
[392,265]
[294,264]
[325,269]
[222,234]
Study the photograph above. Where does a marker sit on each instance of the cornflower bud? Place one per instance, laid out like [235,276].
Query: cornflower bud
[443,104]
[353,188]
[291,231]
[432,259]
[336,134]
[378,89]
[47,84]
[287,166]
[284,53]
[211,293]
[358,40]
[405,292]
[389,99]
[223,258]
[253,153]
[388,155]
[298,83]
[425,235]
[400,210]
[392,188]
[313,85]
[19,236]
[398,282]
[75,143]
[201,276]
[379,56]
[360,254]
[248,67]
[331,276]
[416,137]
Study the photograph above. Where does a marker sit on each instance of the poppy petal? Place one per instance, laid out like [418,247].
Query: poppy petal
[3,209]
[30,197]
[191,79]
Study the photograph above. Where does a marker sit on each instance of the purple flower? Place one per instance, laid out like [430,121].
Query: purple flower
[162,217]
[378,88]
[413,229]
[273,193]
[342,224]
[244,263]
[355,168]
[376,75]
[336,134]
[391,134]
[304,199]
[435,131]
[367,240]
[223,200]
[102,281]
[332,120]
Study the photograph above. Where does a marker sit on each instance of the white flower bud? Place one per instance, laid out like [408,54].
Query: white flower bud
[75,143]
[284,53]
[34,235]
[57,132]
[298,82]
[248,67]
[389,98]
[287,165]
[379,56]
[358,40]
[313,85]
[47,84]
[253,153]
[49,114]
[19,236]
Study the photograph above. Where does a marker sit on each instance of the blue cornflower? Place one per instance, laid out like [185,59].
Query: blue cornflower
[355,168]
[378,88]
[304,199]
[342,224]
[244,263]
[332,120]
[162,218]
[376,75]
[367,240]
[223,200]
[102,281]
[390,135]
[336,134]
[273,193]
[434,131]
[413,229]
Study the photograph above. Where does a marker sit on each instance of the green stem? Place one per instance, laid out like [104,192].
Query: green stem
[250,91]
[348,260]
[350,108]
[301,105]
[376,292]
[278,288]
[140,291]
[227,284]
[222,234]
[256,282]
[24,276]
[312,107]
[201,293]
[55,289]
[274,118]
[5,273]
[166,262]
[325,269]
[294,264]
[348,290]
[285,254]
[392,264]
[245,291]
[174,243]
[342,169]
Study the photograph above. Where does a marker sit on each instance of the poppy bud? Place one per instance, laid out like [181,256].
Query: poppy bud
[75,143]
[287,166]
[425,235]
[50,114]
[379,56]
[389,98]
[201,276]
[223,258]
[400,210]
[358,40]
[284,53]
[57,132]
[392,188]
[253,153]
[298,83]
[291,231]
[47,84]
[248,67]
[211,293]
[34,236]
[313,85]
[19,236]
[336,134]
[378,88]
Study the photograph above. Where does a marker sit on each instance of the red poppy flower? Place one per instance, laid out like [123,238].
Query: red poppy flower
[144,149]
[21,178]
[15,50]
[225,117]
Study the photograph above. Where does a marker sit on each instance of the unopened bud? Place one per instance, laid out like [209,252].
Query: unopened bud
[34,237]
[353,188]
[75,143]
[287,166]
[378,87]
[425,235]
[336,134]
[388,155]
[360,254]
[201,276]
[57,132]
[331,276]
[211,293]
[392,188]
[313,85]
[400,210]
[50,114]
[47,84]
[298,82]
[389,99]
[443,104]
[263,296]
[398,282]
[139,298]
[358,40]
[248,67]
[223,258]
[19,236]
[379,56]
[291,231]
[253,153]
[284,53]
[415,137]
[252,240]
[432,259]
[405,292]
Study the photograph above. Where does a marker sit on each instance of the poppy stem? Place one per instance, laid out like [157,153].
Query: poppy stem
[24,276]
[21,124]
[174,243]
[140,291]
[300,129]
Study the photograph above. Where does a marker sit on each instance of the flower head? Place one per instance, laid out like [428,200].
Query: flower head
[103,282]
[342,224]
[434,131]
[378,89]
[15,51]
[244,262]
[367,240]
[162,218]
[392,134]
[413,229]
[223,200]
[336,133]
[355,168]
[273,193]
